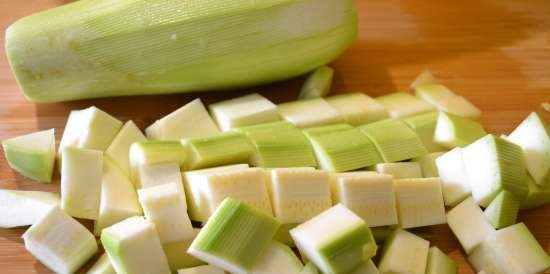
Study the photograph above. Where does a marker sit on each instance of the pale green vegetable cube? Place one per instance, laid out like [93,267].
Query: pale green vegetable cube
[404,253]
[190,120]
[159,174]
[454,131]
[503,210]
[242,111]
[102,266]
[455,180]
[424,126]
[367,267]
[341,248]
[155,152]
[81,171]
[440,263]
[298,194]
[119,149]
[60,242]
[177,256]
[401,170]
[283,234]
[368,194]
[22,208]
[310,113]
[358,108]
[203,269]
[533,136]
[445,100]
[133,247]
[536,196]
[277,258]
[494,164]
[234,237]
[419,202]
[309,268]
[425,77]
[401,104]
[429,166]
[317,83]
[217,150]
[467,222]
[394,140]
[32,155]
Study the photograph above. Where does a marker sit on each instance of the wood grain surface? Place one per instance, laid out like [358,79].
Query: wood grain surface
[496,53]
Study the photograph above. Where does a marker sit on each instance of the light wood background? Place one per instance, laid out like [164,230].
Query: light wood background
[494,52]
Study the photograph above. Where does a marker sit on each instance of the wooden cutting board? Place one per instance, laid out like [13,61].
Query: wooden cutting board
[496,53]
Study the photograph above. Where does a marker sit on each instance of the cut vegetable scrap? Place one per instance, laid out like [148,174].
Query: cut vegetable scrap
[419,202]
[367,267]
[424,126]
[454,131]
[216,150]
[536,196]
[203,269]
[177,256]
[317,83]
[155,152]
[494,164]
[32,155]
[401,104]
[340,249]
[533,136]
[404,252]
[119,149]
[242,111]
[309,113]
[22,208]
[358,108]
[234,237]
[394,140]
[60,242]
[165,207]
[279,144]
[102,266]
[429,166]
[277,258]
[401,170]
[118,200]
[134,247]
[511,250]
[454,179]
[440,263]
[445,100]
[425,77]
[159,174]
[503,210]
[298,194]
[467,222]
[190,120]
[81,171]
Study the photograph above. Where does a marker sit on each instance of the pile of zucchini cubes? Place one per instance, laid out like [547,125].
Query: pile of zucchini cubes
[318,185]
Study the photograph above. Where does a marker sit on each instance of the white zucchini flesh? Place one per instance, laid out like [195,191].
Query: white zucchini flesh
[119,149]
[309,113]
[177,256]
[454,179]
[102,266]
[277,258]
[401,170]
[419,202]
[22,208]
[159,174]
[242,111]
[404,252]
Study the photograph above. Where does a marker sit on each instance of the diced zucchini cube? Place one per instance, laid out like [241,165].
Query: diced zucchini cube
[158,174]
[358,108]
[401,170]
[445,100]
[367,267]
[401,104]
[309,113]
[429,166]
[216,150]
[317,83]
[454,131]
[203,269]
[177,256]
[119,149]
[424,126]
[242,111]
[309,268]
[102,266]
[404,253]
[503,210]
[419,202]
[440,263]
[23,208]
[277,258]
[536,196]
[155,152]
[455,180]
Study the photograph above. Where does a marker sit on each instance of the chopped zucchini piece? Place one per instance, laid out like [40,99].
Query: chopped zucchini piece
[190,120]
[341,248]
[321,130]
[536,196]
[242,111]
[298,194]
[277,258]
[394,140]
[234,237]
[358,108]
[533,136]
[455,180]
[425,77]
[309,268]
[177,256]
[367,267]
[404,253]
[494,164]
[503,210]
[133,247]
[81,171]
[401,104]
[445,100]
[401,170]
[424,126]
[440,263]
[203,269]
[317,83]
[429,166]
[102,266]
[60,242]
[22,208]
[467,222]
[159,174]
[32,155]
[454,131]
[309,113]
[155,152]
[283,234]
[216,150]
[119,149]
[419,202]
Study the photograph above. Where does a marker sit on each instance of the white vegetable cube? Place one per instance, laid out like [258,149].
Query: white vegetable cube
[165,206]
[445,100]
[503,210]
[203,269]
[440,263]
[102,266]
[317,83]
[368,194]
[367,267]
[467,222]
[429,166]
[341,248]
[246,110]
[177,256]
[298,194]
[81,171]
[133,246]
[277,258]
[404,253]
[234,237]
[454,131]
[32,155]
[309,113]
[159,174]
[155,152]
[419,202]
[358,108]
[424,126]
[401,170]
[401,104]
[533,136]
[188,121]
[22,208]
[60,242]
[119,149]
[454,179]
